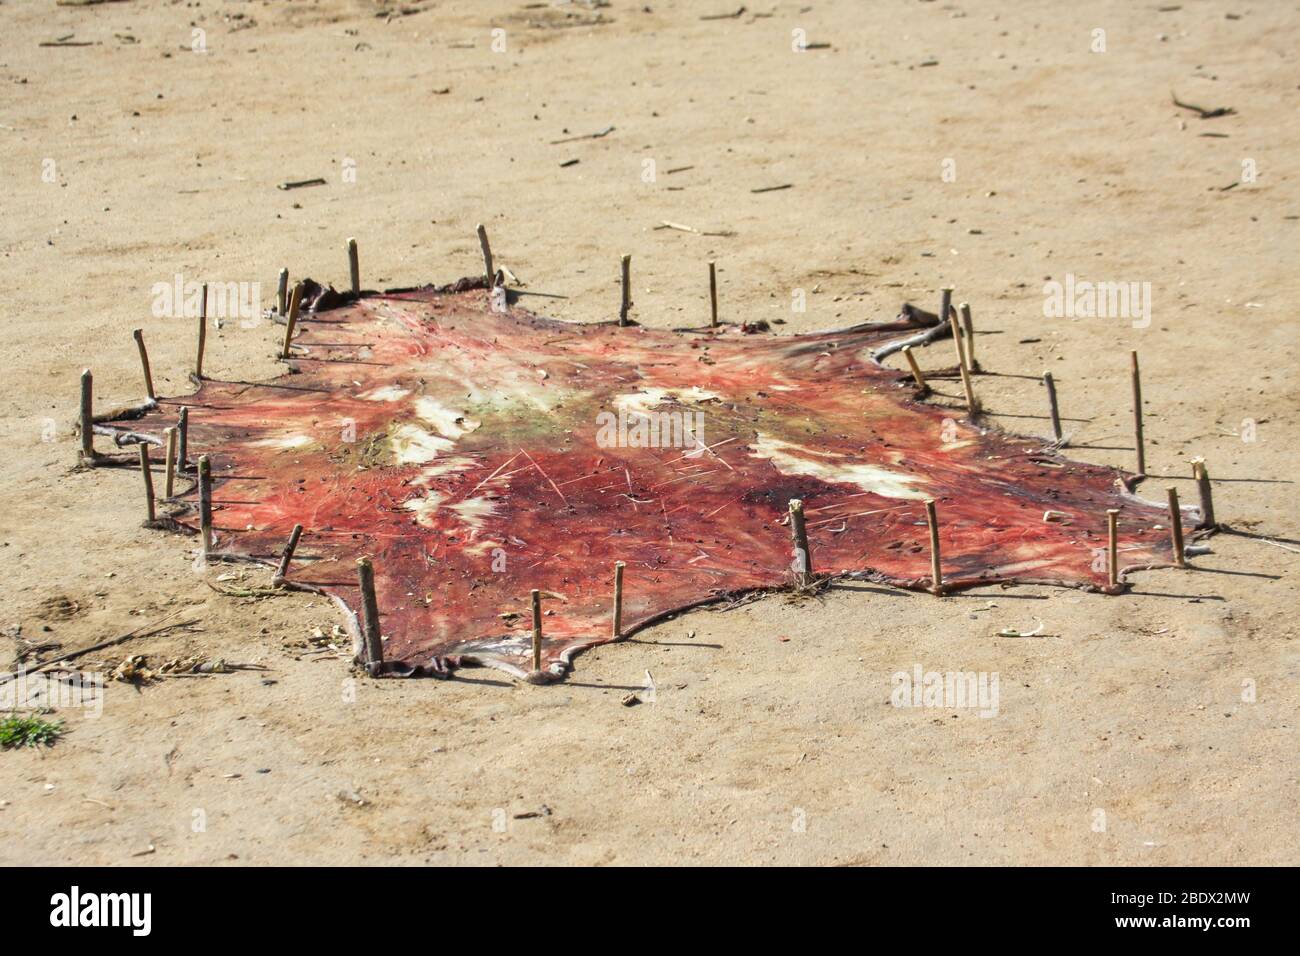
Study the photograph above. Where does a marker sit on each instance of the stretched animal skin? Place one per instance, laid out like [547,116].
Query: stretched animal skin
[476,451]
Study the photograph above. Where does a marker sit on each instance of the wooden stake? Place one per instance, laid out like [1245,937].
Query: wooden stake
[282,292]
[969,326]
[354,268]
[169,486]
[295,303]
[537,629]
[972,404]
[1202,476]
[1112,547]
[713,293]
[802,555]
[1137,414]
[1055,411]
[148,482]
[283,570]
[618,599]
[945,303]
[487,253]
[138,335]
[183,438]
[205,504]
[1176,527]
[626,304]
[203,332]
[936,569]
[87,417]
[373,644]
[916,369]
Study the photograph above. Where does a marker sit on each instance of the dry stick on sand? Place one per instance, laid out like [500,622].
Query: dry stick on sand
[1202,476]
[169,481]
[713,293]
[618,599]
[87,417]
[537,629]
[916,369]
[157,628]
[936,570]
[282,571]
[1137,413]
[282,293]
[802,555]
[354,267]
[203,333]
[205,505]
[295,303]
[626,303]
[147,474]
[1052,407]
[373,646]
[1112,547]
[138,335]
[488,271]
[1176,527]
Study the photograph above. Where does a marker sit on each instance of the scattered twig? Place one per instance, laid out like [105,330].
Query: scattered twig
[734,15]
[573,139]
[772,189]
[158,628]
[299,184]
[1202,111]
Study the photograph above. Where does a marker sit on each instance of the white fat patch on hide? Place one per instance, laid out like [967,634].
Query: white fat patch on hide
[388,393]
[448,422]
[425,507]
[640,403]
[290,441]
[473,511]
[415,446]
[791,459]
[443,467]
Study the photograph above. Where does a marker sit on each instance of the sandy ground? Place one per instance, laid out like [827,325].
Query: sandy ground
[1154,728]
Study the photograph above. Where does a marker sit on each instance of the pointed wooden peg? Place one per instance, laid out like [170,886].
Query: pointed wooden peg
[1202,476]
[1176,527]
[169,486]
[916,369]
[203,333]
[618,600]
[968,326]
[537,629]
[87,417]
[802,555]
[138,335]
[183,439]
[205,505]
[1137,413]
[282,293]
[625,304]
[295,304]
[1112,547]
[354,267]
[1053,409]
[713,294]
[147,474]
[282,571]
[488,271]
[372,641]
[936,566]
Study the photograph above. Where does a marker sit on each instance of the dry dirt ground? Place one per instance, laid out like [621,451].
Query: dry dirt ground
[984,145]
